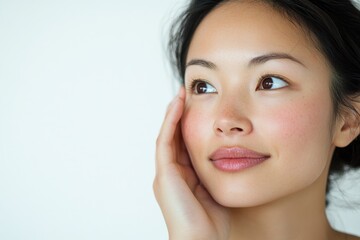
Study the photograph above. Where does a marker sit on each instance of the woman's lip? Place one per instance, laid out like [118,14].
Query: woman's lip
[235,159]
[236,153]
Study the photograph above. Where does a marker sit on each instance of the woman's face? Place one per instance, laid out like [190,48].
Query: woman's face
[258,118]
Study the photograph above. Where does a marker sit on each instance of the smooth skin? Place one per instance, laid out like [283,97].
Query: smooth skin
[283,197]
[188,209]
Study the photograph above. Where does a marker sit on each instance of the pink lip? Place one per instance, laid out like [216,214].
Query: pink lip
[235,159]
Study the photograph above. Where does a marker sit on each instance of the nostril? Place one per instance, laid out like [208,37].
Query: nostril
[236,129]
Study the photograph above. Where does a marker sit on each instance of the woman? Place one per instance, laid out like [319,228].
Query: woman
[268,111]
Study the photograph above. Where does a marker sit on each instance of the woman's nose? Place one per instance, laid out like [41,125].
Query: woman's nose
[230,123]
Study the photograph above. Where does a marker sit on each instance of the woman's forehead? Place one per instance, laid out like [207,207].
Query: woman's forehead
[249,29]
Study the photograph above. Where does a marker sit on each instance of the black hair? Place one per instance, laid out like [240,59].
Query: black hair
[335,28]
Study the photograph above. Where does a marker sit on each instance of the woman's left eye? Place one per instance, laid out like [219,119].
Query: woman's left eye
[202,87]
[271,83]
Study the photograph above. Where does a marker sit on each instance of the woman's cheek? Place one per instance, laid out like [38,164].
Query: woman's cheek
[195,125]
[298,118]
[196,130]
[285,124]
[299,133]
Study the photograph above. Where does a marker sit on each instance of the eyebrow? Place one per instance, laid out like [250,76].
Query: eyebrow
[273,56]
[202,63]
[255,61]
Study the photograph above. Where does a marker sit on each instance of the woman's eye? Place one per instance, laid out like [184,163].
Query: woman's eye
[201,87]
[271,83]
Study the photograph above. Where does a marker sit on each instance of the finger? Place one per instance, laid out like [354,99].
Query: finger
[183,154]
[180,94]
[165,140]
[172,108]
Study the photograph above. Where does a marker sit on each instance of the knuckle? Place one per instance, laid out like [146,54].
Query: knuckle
[155,185]
[161,141]
[158,140]
[159,178]
[156,188]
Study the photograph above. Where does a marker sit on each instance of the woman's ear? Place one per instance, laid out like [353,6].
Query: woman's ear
[347,126]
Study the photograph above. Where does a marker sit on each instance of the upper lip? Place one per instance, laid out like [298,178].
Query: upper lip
[236,153]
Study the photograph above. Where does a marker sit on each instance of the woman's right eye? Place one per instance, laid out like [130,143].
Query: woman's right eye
[202,87]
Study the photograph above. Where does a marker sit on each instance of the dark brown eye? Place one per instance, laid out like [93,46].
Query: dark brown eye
[201,87]
[272,83]
[267,83]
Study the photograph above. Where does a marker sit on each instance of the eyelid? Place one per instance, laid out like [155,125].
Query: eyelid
[262,77]
[193,82]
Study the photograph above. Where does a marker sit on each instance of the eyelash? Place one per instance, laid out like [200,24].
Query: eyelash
[195,81]
[265,76]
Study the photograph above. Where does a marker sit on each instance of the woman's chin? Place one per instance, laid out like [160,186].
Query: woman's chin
[238,200]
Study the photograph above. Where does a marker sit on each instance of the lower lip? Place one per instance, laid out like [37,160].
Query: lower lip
[233,165]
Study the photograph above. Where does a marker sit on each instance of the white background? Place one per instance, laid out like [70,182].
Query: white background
[83,88]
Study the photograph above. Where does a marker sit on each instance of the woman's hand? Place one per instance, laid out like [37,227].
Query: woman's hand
[190,212]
